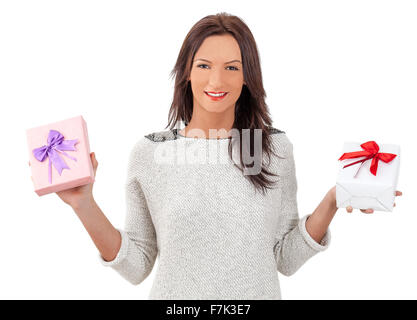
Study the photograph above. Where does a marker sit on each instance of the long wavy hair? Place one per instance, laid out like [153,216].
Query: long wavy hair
[251,111]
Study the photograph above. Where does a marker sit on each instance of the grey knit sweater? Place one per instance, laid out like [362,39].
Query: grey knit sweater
[215,237]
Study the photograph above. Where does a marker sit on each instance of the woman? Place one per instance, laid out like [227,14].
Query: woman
[216,236]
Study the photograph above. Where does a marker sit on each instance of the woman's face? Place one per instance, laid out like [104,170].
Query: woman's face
[217,68]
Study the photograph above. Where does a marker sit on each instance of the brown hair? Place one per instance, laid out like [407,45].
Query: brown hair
[251,111]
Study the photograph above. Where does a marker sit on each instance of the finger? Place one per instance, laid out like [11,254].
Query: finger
[349,209]
[94,160]
[95,164]
[367,210]
[398,193]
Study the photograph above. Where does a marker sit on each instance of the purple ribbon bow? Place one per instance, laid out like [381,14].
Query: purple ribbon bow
[56,143]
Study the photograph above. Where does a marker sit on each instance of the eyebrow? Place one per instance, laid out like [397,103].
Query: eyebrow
[224,63]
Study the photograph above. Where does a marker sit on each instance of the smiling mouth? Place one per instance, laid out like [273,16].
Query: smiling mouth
[216,95]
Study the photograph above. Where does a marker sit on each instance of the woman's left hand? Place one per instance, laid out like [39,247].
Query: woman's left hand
[350,209]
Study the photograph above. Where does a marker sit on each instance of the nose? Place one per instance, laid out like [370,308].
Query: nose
[216,79]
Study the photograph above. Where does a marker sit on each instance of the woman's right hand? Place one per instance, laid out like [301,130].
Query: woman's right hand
[77,196]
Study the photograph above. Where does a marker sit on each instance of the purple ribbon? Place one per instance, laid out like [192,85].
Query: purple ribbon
[56,143]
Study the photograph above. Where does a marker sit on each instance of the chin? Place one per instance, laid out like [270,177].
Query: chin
[215,109]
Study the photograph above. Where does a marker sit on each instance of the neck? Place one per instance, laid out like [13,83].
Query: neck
[202,121]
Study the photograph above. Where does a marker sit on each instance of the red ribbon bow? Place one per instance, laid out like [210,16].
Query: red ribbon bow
[370,151]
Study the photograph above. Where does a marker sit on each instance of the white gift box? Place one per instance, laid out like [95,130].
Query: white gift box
[357,187]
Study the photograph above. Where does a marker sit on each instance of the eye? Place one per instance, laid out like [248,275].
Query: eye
[236,69]
[199,65]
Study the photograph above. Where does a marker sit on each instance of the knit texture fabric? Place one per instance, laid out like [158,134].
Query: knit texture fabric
[215,237]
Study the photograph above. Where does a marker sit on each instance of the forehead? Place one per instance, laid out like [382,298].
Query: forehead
[219,47]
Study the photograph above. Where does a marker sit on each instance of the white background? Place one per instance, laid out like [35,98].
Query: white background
[333,71]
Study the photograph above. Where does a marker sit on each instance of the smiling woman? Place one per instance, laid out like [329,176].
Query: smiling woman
[216,236]
[218,85]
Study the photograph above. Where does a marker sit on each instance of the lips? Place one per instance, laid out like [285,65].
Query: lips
[216,98]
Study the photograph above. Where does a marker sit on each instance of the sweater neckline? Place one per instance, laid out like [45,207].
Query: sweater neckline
[177,134]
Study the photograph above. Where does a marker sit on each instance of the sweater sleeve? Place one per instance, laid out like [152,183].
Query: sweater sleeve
[138,251]
[294,245]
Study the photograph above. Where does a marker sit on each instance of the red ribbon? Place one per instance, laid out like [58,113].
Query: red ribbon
[370,151]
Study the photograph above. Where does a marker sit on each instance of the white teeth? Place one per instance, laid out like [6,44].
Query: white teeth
[216,95]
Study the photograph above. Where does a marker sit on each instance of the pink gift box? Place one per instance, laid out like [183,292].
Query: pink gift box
[68,152]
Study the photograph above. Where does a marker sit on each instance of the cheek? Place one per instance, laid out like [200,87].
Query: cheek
[237,90]
[236,83]
[197,88]
[198,78]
